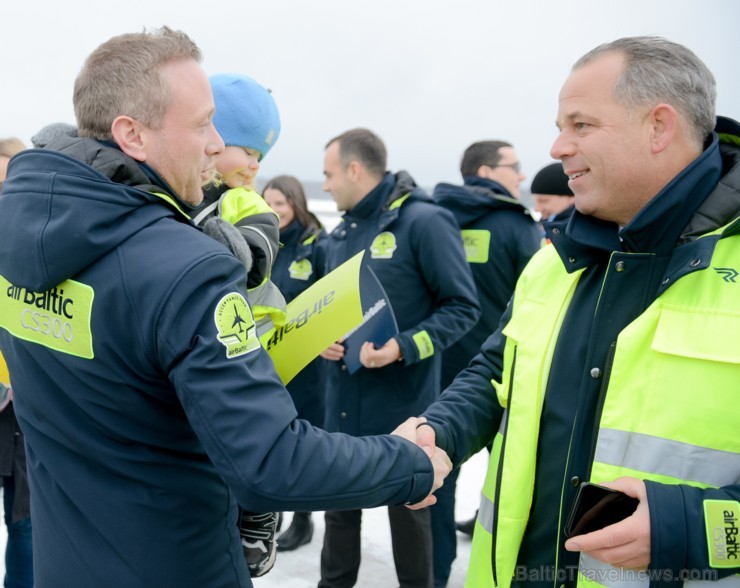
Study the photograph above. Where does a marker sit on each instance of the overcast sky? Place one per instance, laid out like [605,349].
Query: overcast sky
[429,76]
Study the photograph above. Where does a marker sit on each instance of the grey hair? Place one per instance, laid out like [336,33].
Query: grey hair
[657,70]
[123,77]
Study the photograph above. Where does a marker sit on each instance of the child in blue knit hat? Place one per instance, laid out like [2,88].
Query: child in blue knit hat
[234,214]
[247,119]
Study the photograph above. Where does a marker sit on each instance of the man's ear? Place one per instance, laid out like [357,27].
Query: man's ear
[663,119]
[484,171]
[127,133]
[355,170]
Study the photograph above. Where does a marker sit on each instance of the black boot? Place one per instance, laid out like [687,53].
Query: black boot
[299,533]
[465,527]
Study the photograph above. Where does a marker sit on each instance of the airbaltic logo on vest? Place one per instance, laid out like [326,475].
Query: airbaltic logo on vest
[725,537]
[722,532]
[52,302]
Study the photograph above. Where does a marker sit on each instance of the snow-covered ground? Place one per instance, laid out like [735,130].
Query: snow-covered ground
[300,568]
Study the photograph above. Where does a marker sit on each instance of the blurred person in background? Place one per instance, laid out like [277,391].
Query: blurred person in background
[415,250]
[552,196]
[500,237]
[13,477]
[8,148]
[298,265]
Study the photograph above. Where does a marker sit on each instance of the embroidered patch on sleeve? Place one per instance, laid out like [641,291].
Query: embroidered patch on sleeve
[235,323]
[424,344]
[721,519]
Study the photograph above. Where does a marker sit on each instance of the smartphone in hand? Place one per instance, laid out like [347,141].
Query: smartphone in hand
[597,507]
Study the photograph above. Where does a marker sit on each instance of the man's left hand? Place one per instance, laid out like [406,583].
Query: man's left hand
[376,358]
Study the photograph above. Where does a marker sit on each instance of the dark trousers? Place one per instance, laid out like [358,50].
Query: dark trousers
[444,532]
[18,551]
[411,536]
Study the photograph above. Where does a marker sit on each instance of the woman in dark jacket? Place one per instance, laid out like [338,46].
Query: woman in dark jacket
[13,478]
[298,265]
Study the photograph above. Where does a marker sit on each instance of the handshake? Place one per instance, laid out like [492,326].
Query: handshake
[423,436]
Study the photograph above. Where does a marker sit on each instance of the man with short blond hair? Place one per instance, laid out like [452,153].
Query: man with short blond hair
[149,406]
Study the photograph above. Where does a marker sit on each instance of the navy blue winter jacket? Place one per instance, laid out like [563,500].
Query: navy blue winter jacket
[142,439]
[485,210]
[424,273]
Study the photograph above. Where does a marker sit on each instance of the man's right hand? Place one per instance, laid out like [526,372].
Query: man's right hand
[423,435]
[442,468]
[334,352]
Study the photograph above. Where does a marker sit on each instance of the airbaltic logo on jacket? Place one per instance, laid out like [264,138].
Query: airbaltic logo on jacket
[236,329]
[58,318]
[476,243]
[383,246]
[301,270]
[721,518]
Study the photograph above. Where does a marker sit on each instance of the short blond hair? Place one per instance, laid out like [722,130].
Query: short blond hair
[122,77]
[11,146]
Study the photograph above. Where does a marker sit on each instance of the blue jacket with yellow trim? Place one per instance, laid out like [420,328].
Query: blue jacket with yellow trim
[138,455]
[485,206]
[430,289]
[661,246]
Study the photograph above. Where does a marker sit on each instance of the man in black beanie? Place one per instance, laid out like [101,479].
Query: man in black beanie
[553,199]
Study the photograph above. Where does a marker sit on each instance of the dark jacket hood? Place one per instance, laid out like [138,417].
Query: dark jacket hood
[66,206]
[475,200]
[405,185]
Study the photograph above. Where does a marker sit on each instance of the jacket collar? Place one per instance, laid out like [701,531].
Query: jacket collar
[143,176]
[477,181]
[292,233]
[385,200]
[372,204]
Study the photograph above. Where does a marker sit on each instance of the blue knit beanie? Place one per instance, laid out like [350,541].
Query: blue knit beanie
[246,114]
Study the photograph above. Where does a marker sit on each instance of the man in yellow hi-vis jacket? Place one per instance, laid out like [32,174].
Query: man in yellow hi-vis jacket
[617,360]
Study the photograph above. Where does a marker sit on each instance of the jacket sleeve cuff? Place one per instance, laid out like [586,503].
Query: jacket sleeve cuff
[441,438]
[415,346]
[678,534]
[408,352]
[668,534]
